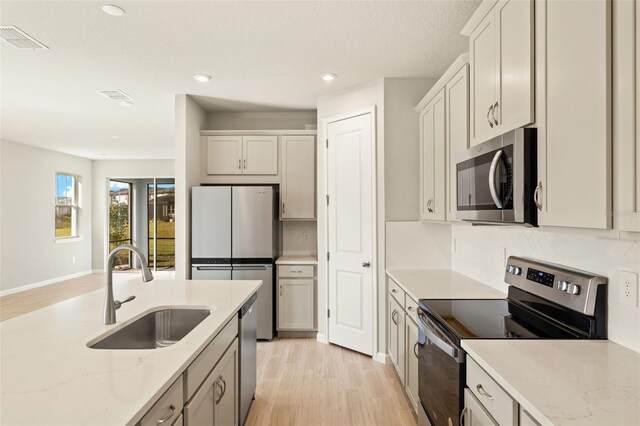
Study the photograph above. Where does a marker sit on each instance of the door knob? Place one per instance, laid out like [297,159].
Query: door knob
[366,264]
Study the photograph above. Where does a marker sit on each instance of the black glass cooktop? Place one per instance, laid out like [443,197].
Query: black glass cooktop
[492,319]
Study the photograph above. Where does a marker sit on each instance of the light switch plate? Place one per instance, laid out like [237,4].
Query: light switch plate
[629,288]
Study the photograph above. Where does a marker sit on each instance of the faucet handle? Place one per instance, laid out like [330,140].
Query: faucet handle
[118,303]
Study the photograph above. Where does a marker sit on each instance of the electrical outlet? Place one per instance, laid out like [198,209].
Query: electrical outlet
[629,289]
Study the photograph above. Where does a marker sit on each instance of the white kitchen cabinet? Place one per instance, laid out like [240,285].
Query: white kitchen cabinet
[501,58]
[298,187]
[411,364]
[224,155]
[526,419]
[457,131]
[626,115]
[296,298]
[216,402]
[396,337]
[573,101]
[237,155]
[432,159]
[260,155]
[474,413]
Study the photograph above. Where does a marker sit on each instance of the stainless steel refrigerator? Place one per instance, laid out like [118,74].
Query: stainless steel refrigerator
[235,236]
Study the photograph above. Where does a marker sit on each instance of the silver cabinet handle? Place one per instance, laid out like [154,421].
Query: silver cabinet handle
[493,114]
[463,415]
[492,179]
[164,419]
[223,389]
[415,350]
[489,111]
[536,196]
[239,164]
[283,209]
[366,264]
[219,387]
[296,271]
[483,392]
[429,204]
[393,317]
[280,289]
[245,163]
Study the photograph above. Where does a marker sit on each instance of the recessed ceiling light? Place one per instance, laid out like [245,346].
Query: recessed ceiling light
[113,10]
[203,78]
[329,76]
[126,103]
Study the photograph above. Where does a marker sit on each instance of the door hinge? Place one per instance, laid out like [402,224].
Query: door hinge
[328,257]
[328,313]
[327,199]
[327,143]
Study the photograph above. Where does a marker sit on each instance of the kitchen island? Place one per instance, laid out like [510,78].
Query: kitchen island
[48,375]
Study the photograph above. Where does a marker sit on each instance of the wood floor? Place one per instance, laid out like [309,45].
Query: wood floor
[303,382]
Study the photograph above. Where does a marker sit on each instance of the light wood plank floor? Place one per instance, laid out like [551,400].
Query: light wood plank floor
[303,382]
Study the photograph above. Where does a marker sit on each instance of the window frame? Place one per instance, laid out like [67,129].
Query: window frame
[75,206]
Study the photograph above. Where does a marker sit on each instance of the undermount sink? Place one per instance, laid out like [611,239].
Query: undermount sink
[157,329]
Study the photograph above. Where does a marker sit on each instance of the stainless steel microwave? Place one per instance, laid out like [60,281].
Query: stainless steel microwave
[496,180]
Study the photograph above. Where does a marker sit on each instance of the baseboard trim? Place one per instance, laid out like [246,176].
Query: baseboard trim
[97,271]
[43,283]
[285,333]
[322,338]
[381,358]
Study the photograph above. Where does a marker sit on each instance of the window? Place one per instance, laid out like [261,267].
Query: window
[66,205]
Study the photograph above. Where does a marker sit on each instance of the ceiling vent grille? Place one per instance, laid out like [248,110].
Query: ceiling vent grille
[19,39]
[116,95]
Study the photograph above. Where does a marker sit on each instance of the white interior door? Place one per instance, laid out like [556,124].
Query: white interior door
[351,233]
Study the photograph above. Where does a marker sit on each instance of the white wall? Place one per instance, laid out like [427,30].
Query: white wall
[294,120]
[102,170]
[190,119]
[479,254]
[30,253]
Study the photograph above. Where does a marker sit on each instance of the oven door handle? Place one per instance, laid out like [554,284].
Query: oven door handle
[433,338]
[492,179]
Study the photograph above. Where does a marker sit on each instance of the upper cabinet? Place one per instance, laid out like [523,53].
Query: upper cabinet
[573,102]
[432,159]
[626,118]
[501,58]
[237,155]
[298,177]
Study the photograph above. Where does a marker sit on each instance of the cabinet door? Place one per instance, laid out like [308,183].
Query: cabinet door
[574,134]
[432,131]
[626,117]
[296,303]
[457,128]
[411,366]
[483,72]
[260,155]
[224,155]
[396,336]
[226,406]
[298,184]
[201,408]
[474,414]
[513,105]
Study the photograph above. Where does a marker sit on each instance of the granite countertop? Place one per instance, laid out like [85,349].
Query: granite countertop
[297,260]
[50,377]
[441,284]
[565,382]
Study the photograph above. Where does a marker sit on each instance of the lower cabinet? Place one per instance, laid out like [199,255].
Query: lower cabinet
[411,364]
[296,298]
[396,336]
[474,413]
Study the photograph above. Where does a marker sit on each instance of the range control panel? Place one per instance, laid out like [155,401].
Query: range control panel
[569,287]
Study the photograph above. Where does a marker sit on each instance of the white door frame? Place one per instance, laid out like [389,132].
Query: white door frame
[374,209]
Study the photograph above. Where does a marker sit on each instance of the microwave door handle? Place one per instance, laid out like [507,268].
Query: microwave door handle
[492,179]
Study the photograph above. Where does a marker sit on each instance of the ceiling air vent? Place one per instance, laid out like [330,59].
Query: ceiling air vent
[19,39]
[116,95]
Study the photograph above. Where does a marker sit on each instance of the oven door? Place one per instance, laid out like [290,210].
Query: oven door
[441,374]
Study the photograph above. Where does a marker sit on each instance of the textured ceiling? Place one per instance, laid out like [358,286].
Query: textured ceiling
[263,56]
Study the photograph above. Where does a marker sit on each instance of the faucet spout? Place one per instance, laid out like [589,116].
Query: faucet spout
[110,305]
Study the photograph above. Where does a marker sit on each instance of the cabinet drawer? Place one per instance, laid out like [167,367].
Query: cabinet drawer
[497,402]
[396,292]
[204,363]
[292,271]
[168,408]
[411,307]
[474,413]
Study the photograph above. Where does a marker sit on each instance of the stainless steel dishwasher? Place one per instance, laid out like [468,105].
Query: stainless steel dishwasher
[248,337]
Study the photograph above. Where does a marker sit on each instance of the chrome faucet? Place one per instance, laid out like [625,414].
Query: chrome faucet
[110,305]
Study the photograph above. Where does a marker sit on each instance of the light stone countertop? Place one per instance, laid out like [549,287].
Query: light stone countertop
[441,284]
[297,260]
[565,382]
[48,376]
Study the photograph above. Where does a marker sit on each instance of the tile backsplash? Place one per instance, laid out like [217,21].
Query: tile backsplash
[422,245]
[480,252]
[299,238]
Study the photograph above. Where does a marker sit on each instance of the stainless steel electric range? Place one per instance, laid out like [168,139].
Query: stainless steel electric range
[545,301]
